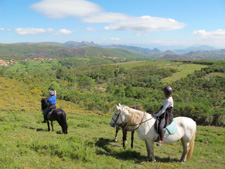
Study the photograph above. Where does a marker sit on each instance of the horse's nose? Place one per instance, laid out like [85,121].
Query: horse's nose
[112,124]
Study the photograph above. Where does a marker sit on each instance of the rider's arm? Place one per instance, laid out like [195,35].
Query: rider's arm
[55,92]
[166,104]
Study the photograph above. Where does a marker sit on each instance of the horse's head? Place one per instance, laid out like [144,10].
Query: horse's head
[120,117]
[44,104]
[65,128]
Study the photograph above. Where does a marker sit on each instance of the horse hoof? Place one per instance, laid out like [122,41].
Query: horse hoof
[147,159]
[150,160]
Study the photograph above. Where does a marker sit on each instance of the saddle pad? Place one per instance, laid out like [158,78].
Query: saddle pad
[171,129]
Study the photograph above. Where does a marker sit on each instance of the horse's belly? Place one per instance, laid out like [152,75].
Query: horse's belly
[171,139]
[168,139]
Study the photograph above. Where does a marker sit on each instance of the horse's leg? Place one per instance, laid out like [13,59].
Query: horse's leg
[132,138]
[48,125]
[52,125]
[148,158]
[185,150]
[117,129]
[150,150]
[124,137]
[151,146]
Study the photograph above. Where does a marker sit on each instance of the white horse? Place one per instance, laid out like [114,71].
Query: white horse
[143,123]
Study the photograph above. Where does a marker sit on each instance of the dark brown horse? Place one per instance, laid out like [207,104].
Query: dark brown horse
[125,131]
[57,114]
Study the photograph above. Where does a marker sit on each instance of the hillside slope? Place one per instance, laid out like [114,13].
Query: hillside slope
[26,143]
[25,51]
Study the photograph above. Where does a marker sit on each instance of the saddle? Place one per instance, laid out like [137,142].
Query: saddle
[169,130]
[49,113]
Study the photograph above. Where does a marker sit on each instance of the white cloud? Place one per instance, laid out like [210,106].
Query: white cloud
[66,8]
[90,29]
[2,29]
[33,31]
[218,34]
[112,39]
[161,42]
[65,31]
[214,38]
[105,17]
[146,23]
[90,12]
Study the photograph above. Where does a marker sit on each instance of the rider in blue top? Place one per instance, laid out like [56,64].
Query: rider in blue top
[51,104]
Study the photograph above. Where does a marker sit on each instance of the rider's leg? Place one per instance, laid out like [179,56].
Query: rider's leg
[45,115]
[161,131]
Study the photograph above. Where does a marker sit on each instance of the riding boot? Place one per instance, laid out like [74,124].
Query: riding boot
[44,120]
[162,135]
[160,143]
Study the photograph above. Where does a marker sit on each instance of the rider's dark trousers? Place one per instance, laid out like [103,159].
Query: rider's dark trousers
[162,123]
[47,110]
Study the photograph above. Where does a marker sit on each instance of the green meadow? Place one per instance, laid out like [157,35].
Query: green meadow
[26,143]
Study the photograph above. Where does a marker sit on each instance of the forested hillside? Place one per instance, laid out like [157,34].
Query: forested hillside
[198,86]
[88,94]
[51,50]
[89,49]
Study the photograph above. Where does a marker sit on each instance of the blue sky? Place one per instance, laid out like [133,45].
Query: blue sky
[148,23]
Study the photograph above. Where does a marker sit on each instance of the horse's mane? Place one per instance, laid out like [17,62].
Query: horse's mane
[135,116]
[43,103]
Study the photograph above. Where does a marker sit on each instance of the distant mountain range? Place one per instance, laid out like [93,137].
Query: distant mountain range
[194,49]
[89,49]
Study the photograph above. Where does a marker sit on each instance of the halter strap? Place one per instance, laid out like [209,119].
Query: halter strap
[115,121]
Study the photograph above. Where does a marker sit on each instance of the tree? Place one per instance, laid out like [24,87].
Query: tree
[119,92]
[110,88]
[130,91]
[60,73]
[54,86]
[85,82]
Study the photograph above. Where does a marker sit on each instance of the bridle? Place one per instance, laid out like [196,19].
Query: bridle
[117,117]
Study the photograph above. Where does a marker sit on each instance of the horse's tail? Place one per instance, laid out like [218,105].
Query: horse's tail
[191,146]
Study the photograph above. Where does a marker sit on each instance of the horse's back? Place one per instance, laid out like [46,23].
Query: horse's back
[57,114]
[185,121]
[186,125]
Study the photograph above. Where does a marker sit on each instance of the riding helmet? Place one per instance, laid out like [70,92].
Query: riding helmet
[168,90]
[52,93]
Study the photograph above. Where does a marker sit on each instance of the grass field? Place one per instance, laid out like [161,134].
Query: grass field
[184,70]
[25,143]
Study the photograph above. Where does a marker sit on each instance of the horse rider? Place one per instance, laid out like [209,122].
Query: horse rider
[51,104]
[165,115]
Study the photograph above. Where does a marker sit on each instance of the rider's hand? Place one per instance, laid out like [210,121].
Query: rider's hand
[154,115]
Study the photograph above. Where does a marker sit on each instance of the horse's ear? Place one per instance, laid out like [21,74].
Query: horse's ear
[118,107]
